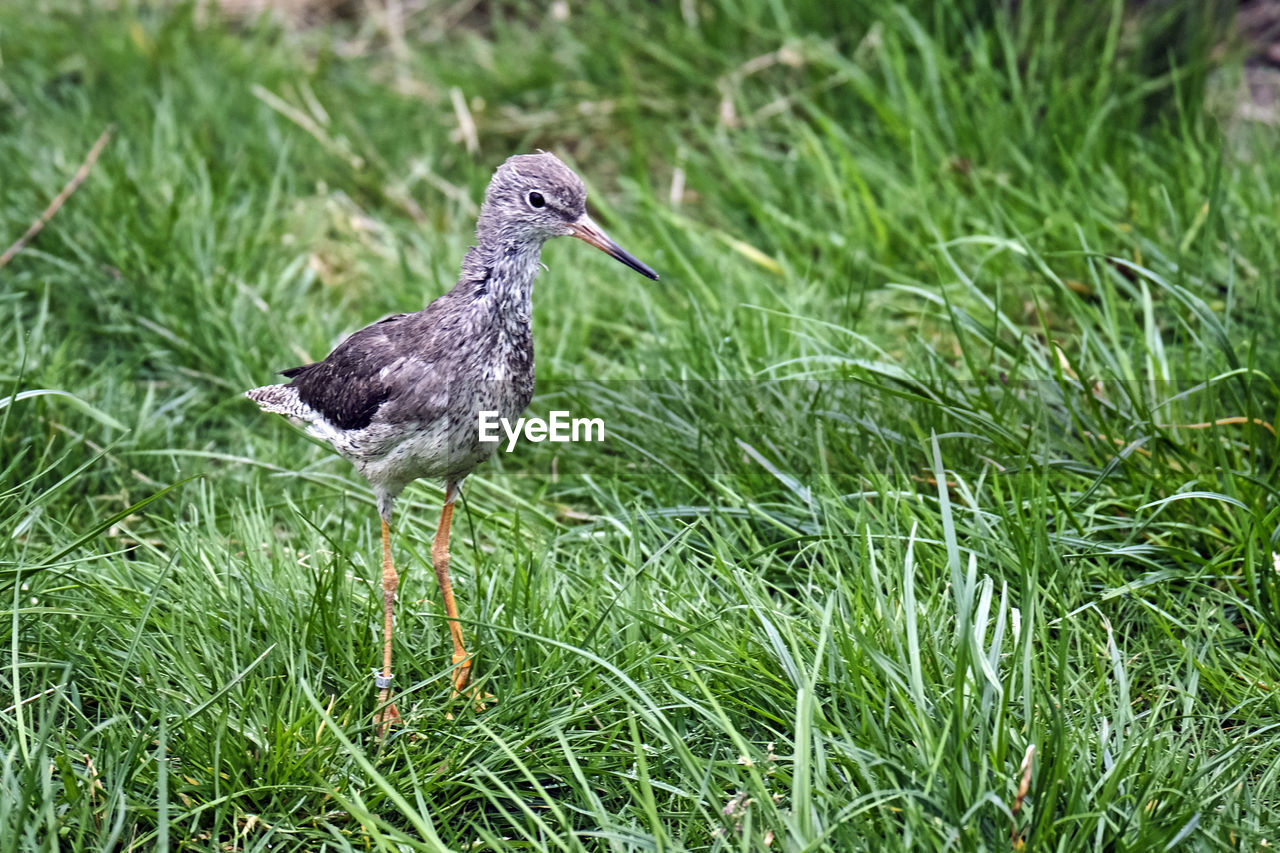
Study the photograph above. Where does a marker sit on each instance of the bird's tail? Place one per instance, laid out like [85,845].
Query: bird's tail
[281,399]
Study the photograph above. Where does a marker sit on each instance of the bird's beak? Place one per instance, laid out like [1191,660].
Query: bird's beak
[585,229]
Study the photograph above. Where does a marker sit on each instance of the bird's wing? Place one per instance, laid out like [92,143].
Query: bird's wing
[378,363]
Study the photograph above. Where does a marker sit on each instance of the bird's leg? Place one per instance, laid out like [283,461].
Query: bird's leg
[387,713]
[440,559]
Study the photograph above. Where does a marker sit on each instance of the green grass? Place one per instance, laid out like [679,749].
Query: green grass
[946,434]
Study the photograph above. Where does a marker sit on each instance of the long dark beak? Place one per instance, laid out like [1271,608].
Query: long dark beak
[585,229]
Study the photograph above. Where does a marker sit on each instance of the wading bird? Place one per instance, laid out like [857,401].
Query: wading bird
[402,398]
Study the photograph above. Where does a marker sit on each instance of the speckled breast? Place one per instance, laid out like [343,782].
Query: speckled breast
[449,447]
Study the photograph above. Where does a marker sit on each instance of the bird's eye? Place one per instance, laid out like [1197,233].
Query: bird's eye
[536,199]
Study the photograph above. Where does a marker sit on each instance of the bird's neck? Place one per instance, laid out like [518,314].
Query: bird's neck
[501,278]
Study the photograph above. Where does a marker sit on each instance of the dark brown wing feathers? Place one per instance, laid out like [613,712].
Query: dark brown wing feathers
[348,387]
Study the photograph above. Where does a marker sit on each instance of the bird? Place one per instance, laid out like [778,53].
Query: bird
[402,397]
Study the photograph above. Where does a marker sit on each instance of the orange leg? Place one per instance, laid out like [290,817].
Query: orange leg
[387,713]
[440,559]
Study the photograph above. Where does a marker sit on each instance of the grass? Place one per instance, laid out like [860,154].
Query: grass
[945,440]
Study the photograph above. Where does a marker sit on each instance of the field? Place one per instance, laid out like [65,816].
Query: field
[938,504]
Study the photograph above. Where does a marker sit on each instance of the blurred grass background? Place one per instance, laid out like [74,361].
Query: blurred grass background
[939,509]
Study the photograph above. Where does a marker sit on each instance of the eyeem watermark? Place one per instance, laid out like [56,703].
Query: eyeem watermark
[559,427]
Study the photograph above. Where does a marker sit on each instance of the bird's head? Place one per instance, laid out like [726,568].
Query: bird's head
[534,197]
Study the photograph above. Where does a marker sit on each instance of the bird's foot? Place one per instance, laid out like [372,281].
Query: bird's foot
[386,718]
[461,674]
[387,714]
[461,678]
